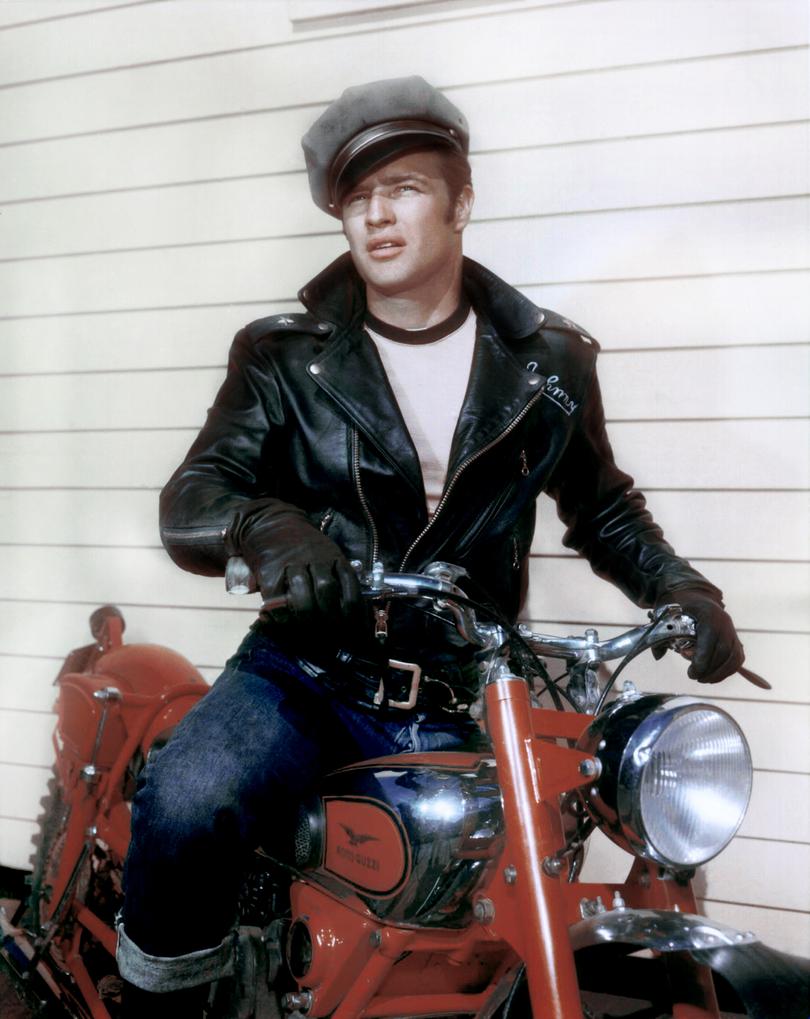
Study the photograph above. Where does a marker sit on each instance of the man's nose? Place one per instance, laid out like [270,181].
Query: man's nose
[379,210]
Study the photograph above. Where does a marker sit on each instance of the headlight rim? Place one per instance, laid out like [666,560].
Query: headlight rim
[614,801]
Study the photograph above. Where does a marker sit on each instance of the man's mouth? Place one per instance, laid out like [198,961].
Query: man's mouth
[384,248]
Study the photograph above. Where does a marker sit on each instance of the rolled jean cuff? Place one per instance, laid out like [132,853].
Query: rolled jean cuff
[161,973]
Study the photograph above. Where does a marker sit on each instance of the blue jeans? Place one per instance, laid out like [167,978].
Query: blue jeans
[231,778]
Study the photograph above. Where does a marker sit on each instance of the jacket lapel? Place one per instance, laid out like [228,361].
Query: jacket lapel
[351,372]
[498,391]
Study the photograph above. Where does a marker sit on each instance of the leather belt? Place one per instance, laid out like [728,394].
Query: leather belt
[395,685]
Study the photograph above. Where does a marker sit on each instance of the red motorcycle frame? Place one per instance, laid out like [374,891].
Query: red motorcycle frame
[117,702]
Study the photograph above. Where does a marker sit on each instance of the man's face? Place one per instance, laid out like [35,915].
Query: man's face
[403,231]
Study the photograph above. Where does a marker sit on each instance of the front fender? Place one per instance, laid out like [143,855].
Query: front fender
[770,984]
[659,929]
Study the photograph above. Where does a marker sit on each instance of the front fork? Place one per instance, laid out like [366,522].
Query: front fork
[531,907]
[539,930]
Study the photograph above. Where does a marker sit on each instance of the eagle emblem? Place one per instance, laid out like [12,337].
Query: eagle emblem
[355,838]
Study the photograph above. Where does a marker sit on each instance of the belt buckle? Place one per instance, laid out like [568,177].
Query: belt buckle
[413,693]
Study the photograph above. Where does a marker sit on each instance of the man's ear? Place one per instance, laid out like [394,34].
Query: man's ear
[463,208]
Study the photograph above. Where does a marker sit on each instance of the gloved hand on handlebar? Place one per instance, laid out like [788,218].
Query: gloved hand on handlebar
[288,556]
[718,652]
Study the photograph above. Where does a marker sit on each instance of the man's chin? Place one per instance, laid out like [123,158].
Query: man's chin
[386,278]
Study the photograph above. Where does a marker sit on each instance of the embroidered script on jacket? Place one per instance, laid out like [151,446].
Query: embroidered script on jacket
[554,392]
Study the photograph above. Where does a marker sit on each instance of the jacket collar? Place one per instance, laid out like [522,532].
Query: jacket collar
[337,295]
[350,371]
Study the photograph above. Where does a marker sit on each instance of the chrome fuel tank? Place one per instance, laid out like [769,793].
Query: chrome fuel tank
[411,834]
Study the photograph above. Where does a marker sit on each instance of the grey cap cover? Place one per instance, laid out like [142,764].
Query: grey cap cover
[370,123]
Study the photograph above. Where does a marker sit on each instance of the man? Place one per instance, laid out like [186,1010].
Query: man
[414,413]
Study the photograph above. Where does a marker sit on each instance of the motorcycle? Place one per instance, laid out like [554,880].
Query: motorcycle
[430,884]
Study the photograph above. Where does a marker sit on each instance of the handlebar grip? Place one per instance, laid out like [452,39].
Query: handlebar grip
[239,577]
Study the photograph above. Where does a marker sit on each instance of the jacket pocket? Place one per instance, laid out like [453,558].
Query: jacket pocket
[478,526]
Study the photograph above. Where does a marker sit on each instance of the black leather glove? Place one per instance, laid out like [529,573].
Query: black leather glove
[718,652]
[288,556]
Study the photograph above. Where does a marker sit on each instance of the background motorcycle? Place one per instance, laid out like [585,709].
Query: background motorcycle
[434,884]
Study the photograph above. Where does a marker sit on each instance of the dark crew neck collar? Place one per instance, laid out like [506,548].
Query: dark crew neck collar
[415,337]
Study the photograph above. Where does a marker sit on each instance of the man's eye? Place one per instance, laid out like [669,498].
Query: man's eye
[358,196]
[406,187]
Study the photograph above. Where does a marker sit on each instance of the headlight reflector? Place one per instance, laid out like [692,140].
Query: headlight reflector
[676,778]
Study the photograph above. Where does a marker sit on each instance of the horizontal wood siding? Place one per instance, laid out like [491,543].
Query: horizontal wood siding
[687,383]
[641,168]
[695,521]
[703,239]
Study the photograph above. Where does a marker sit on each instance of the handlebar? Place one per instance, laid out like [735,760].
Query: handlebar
[669,625]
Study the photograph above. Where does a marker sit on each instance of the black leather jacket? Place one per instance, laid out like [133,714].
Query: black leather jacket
[306,416]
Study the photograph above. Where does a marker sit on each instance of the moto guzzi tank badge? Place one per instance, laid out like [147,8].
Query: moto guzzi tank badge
[366,845]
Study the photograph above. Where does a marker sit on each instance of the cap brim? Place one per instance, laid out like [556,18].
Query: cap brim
[378,144]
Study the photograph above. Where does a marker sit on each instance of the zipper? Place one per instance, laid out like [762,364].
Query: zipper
[380,611]
[375,542]
[193,535]
[524,464]
[326,520]
[463,466]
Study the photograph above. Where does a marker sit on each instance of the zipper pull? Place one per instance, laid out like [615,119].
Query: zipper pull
[524,464]
[381,623]
[515,556]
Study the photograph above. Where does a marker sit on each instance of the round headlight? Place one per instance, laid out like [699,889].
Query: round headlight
[675,781]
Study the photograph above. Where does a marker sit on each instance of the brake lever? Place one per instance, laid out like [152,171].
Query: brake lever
[672,617]
[280,601]
[688,649]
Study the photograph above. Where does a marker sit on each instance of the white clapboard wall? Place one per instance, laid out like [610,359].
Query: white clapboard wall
[641,167]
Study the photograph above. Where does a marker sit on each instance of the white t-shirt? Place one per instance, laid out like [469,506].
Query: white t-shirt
[429,380]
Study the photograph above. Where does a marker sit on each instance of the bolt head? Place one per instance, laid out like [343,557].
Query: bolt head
[484,910]
[589,767]
[301,1000]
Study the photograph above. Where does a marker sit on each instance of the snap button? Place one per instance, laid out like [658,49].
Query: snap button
[315,369]
[534,380]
